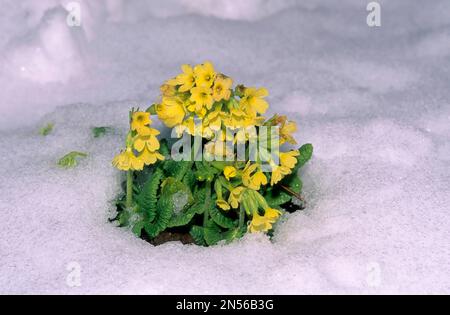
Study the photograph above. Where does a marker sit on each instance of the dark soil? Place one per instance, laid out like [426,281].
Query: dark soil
[167,236]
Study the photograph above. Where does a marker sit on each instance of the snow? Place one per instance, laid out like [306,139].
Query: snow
[374,102]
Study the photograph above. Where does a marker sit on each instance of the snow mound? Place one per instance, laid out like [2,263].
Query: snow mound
[373,101]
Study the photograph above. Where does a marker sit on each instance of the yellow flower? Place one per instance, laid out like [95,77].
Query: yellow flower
[186,126]
[204,74]
[259,223]
[272,214]
[171,111]
[252,101]
[148,157]
[147,142]
[126,160]
[207,132]
[287,128]
[219,150]
[197,108]
[236,119]
[287,163]
[288,159]
[224,135]
[253,181]
[167,90]
[221,89]
[247,173]
[278,172]
[214,119]
[257,180]
[235,196]
[223,204]
[139,121]
[186,79]
[229,172]
[202,97]
[264,223]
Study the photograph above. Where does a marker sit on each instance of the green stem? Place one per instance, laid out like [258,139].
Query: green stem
[241,216]
[207,203]
[129,200]
[292,193]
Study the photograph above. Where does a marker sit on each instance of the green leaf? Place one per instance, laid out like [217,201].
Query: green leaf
[220,219]
[199,204]
[148,197]
[276,196]
[177,169]
[101,131]
[294,182]
[137,228]
[123,218]
[47,129]
[151,109]
[164,148]
[233,234]
[183,218]
[198,235]
[175,198]
[189,180]
[205,172]
[212,233]
[164,209]
[69,160]
[306,152]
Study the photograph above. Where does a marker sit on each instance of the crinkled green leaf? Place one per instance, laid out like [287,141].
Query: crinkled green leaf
[148,197]
[197,234]
[177,169]
[213,234]
[220,219]
[137,228]
[175,197]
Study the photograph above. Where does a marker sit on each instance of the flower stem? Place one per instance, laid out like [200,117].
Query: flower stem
[292,193]
[207,203]
[129,200]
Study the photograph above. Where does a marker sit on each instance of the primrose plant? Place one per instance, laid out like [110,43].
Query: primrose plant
[226,171]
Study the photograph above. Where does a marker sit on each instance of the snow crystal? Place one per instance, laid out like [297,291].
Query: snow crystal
[374,102]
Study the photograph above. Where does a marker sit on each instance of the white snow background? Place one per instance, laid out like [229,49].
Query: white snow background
[374,101]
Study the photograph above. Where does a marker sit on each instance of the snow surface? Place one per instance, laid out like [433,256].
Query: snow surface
[375,102]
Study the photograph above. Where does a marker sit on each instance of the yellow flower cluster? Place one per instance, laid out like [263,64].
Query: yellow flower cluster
[201,93]
[141,146]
